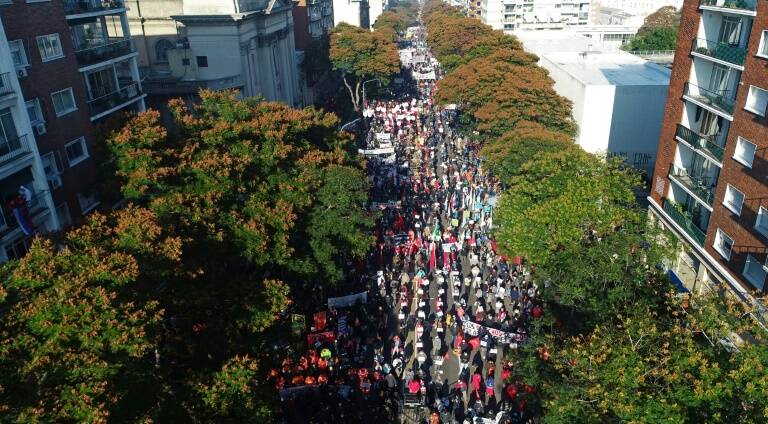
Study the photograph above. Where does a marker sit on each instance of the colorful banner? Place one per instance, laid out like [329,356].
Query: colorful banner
[324,337]
[319,321]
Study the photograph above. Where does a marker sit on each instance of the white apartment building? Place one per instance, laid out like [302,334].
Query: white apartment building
[511,15]
[641,8]
[353,12]
[27,205]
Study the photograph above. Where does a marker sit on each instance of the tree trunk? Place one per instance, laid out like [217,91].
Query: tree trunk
[353,94]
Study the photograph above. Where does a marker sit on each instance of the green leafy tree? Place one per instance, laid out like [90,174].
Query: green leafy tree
[237,394]
[663,38]
[77,332]
[253,179]
[361,55]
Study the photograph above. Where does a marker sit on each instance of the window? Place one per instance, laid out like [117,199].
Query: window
[723,244]
[77,151]
[34,112]
[757,100]
[52,169]
[762,51]
[754,272]
[87,201]
[202,61]
[18,249]
[745,152]
[18,53]
[161,50]
[733,200]
[65,218]
[63,102]
[50,47]
[761,223]
[185,61]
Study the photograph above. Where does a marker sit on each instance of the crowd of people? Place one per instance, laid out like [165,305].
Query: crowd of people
[439,305]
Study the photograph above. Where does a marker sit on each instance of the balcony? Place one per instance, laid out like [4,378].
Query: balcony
[698,185]
[6,89]
[10,149]
[721,102]
[700,143]
[105,103]
[35,207]
[77,7]
[101,52]
[245,6]
[746,7]
[723,52]
[681,217]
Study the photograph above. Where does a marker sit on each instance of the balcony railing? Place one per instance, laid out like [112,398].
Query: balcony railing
[700,142]
[696,184]
[721,51]
[5,84]
[74,7]
[722,100]
[11,148]
[114,47]
[116,98]
[34,205]
[749,5]
[682,219]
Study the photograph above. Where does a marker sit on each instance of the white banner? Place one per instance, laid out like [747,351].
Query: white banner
[383,136]
[424,76]
[384,151]
[340,302]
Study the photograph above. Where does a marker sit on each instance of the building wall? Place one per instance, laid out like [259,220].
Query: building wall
[150,23]
[25,164]
[348,11]
[745,124]
[26,21]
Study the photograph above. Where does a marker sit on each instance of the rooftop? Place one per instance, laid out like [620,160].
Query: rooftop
[616,68]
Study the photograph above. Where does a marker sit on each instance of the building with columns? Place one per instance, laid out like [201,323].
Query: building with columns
[246,45]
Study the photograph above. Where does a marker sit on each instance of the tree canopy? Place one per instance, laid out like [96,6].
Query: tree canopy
[360,55]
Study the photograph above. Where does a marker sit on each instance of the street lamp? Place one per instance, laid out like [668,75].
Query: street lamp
[348,124]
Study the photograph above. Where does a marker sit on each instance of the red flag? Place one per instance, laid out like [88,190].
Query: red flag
[432,257]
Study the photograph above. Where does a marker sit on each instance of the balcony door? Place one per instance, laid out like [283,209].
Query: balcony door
[88,33]
[704,171]
[699,215]
[102,82]
[730,31]
[710,124]
[9,139]
[720,79]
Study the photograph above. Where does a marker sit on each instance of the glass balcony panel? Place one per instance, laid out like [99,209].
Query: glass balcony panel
[697,184]
[721,51]
[74,7]
[116,98]
[701,142]
[5,84]
[722,100]
[681,216]
[12,148]
[731,4]
[102,51]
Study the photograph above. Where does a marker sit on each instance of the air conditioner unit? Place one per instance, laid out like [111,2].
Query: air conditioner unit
[21,72]
[40,129]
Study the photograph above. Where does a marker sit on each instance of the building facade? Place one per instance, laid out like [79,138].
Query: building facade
[511,15]
[311,20]
[353,12]
[76,67]
[27,204]
[710,184]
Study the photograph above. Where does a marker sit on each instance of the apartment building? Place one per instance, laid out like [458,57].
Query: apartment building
[353,12]
[511,15]
[27,205]
[709,183]
[76,66]
[311,20]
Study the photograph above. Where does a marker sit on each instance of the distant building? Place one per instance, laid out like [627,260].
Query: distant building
[353,12]
[511,15]
[709,186]
[640,8]
[246,45]
[607,37]
[618,102]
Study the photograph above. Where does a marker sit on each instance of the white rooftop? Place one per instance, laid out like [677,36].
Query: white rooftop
[542,42]
[600,68]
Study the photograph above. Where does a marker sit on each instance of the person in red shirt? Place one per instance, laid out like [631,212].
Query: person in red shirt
[477,381]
